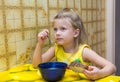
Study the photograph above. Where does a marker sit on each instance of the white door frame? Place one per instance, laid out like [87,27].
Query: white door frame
[110,29]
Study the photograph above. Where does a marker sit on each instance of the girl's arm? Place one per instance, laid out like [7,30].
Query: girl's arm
[104,67]
[38,57]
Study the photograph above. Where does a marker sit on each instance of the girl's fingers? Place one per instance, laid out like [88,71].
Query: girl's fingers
[90,68]
[43,35]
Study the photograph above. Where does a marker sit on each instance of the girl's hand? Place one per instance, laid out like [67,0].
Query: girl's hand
[92,73]
[42,36]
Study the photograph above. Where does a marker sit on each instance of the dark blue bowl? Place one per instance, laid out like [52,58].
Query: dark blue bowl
[52,71]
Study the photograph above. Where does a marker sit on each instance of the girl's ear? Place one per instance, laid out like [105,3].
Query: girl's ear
[76,32]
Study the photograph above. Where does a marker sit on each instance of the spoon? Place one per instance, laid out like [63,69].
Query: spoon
[50,41]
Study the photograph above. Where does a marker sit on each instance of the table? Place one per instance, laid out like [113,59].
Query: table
[26,73]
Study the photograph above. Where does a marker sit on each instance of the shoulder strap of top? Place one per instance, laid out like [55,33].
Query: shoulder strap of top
[57,49]
[81,51]
[82,47]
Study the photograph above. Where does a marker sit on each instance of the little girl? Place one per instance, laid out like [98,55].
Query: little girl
[68,33]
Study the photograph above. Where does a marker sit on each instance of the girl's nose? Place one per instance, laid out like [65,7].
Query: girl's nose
[57,32]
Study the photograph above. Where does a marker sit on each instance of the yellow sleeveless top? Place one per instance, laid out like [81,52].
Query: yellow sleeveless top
[62,56]
[67,57]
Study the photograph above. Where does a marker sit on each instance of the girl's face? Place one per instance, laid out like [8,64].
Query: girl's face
[64,32]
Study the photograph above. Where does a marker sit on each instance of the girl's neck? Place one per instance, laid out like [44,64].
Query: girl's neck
[70,48]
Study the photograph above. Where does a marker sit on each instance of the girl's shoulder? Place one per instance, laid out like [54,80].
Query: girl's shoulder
[81,48]
[79,53]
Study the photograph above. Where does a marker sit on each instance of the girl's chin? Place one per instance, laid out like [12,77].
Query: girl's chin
[59,43]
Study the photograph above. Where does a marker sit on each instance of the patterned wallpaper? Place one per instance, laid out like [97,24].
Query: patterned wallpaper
[21,20]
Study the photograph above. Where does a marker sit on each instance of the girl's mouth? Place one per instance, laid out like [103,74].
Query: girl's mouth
[59,39]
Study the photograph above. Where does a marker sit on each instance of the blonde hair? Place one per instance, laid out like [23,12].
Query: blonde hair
[75,21]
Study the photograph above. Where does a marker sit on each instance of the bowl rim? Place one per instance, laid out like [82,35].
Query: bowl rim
[52,62]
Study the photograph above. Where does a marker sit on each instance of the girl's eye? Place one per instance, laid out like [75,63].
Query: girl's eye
[55,29]
[63,28]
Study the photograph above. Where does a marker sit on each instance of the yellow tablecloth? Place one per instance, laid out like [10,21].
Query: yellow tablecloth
[26,73]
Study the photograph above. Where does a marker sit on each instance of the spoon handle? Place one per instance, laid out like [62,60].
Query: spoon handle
[50,41]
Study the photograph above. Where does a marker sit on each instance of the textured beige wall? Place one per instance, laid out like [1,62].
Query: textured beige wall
[21,20]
